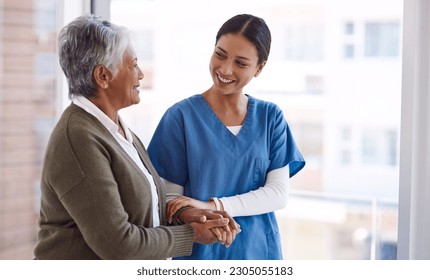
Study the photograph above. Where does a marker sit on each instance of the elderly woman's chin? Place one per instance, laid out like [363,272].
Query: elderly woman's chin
[134,96]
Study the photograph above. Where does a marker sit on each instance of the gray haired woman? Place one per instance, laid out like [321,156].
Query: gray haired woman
[101,196]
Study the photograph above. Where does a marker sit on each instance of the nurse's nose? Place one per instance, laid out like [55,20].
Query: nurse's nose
[226,68]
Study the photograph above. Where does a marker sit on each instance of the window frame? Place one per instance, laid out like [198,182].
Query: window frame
[414,199]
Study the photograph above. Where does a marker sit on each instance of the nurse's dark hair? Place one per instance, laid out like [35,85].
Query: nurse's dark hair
[252,28]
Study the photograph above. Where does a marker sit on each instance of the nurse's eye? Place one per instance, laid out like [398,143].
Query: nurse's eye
[220,55]
[241,63]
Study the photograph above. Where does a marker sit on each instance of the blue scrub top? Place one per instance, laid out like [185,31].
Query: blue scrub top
[191,147]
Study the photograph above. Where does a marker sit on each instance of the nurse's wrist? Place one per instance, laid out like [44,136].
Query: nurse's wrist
[216,204]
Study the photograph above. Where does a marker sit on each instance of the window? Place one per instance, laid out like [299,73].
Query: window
[371,39]
[333,124]
[346,146]
[344,98]
[314,84]
[379,147]
[304,42]
[382,39]
[349,28]
[349,51]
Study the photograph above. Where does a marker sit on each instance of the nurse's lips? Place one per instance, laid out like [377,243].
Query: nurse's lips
[224,80]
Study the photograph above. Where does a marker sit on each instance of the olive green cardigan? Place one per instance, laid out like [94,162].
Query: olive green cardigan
[96,202]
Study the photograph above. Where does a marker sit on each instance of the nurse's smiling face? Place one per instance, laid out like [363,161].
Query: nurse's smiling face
[234,63]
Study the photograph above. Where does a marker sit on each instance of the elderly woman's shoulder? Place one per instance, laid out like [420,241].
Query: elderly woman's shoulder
[76,122]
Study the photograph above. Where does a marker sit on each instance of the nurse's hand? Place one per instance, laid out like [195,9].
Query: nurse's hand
[182,201]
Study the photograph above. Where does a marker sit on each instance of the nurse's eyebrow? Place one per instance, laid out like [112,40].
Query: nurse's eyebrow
[240,57]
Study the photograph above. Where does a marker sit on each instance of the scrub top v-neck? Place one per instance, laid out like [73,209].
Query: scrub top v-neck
[193,148]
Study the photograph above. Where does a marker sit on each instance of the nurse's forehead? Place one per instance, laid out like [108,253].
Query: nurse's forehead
[238,56]
[237,45]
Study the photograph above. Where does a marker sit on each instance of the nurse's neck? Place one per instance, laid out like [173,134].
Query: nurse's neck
[231,109]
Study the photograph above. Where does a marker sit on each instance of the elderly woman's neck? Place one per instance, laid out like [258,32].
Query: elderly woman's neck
[106,107]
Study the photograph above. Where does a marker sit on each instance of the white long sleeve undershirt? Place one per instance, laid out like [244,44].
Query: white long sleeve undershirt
[270,197]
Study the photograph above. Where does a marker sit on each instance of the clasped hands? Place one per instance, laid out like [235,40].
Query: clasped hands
[209,225]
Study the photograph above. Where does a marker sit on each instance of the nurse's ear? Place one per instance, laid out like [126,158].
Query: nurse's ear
[260,68]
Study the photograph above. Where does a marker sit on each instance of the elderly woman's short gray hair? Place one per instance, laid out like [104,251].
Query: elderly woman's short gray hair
[83,44]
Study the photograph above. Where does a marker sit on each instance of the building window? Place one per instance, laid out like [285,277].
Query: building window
[310,136]
[345,146]
[349,28]
[382,39]
[379,147]
[304,42]
[371,39]
[349,51]
[314,84]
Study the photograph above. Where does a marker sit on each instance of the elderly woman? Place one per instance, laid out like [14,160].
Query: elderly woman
[101,196]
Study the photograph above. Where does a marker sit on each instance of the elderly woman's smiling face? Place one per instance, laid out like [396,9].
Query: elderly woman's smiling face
[124,87]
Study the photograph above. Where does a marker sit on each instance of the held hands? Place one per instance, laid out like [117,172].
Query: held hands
[211,226]
[181,201]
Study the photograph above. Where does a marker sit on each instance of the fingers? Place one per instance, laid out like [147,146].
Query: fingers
[221,235]
[196,219]
[229,230]
[217,233]
[229,238]
[191,215]
[174,205]
[233,225]
[212,215]
[224,237]
[222,222]
[221,230]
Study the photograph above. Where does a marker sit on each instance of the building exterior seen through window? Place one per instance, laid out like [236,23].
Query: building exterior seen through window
[27,114]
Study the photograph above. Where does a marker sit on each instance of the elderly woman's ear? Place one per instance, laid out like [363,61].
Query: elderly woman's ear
[102,76]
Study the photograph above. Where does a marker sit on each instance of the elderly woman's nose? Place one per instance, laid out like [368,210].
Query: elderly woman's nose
[140,73]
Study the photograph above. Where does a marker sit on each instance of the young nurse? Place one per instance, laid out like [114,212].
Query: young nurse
[225,150]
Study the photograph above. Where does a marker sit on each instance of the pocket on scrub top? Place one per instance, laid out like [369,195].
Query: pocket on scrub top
[260,170]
